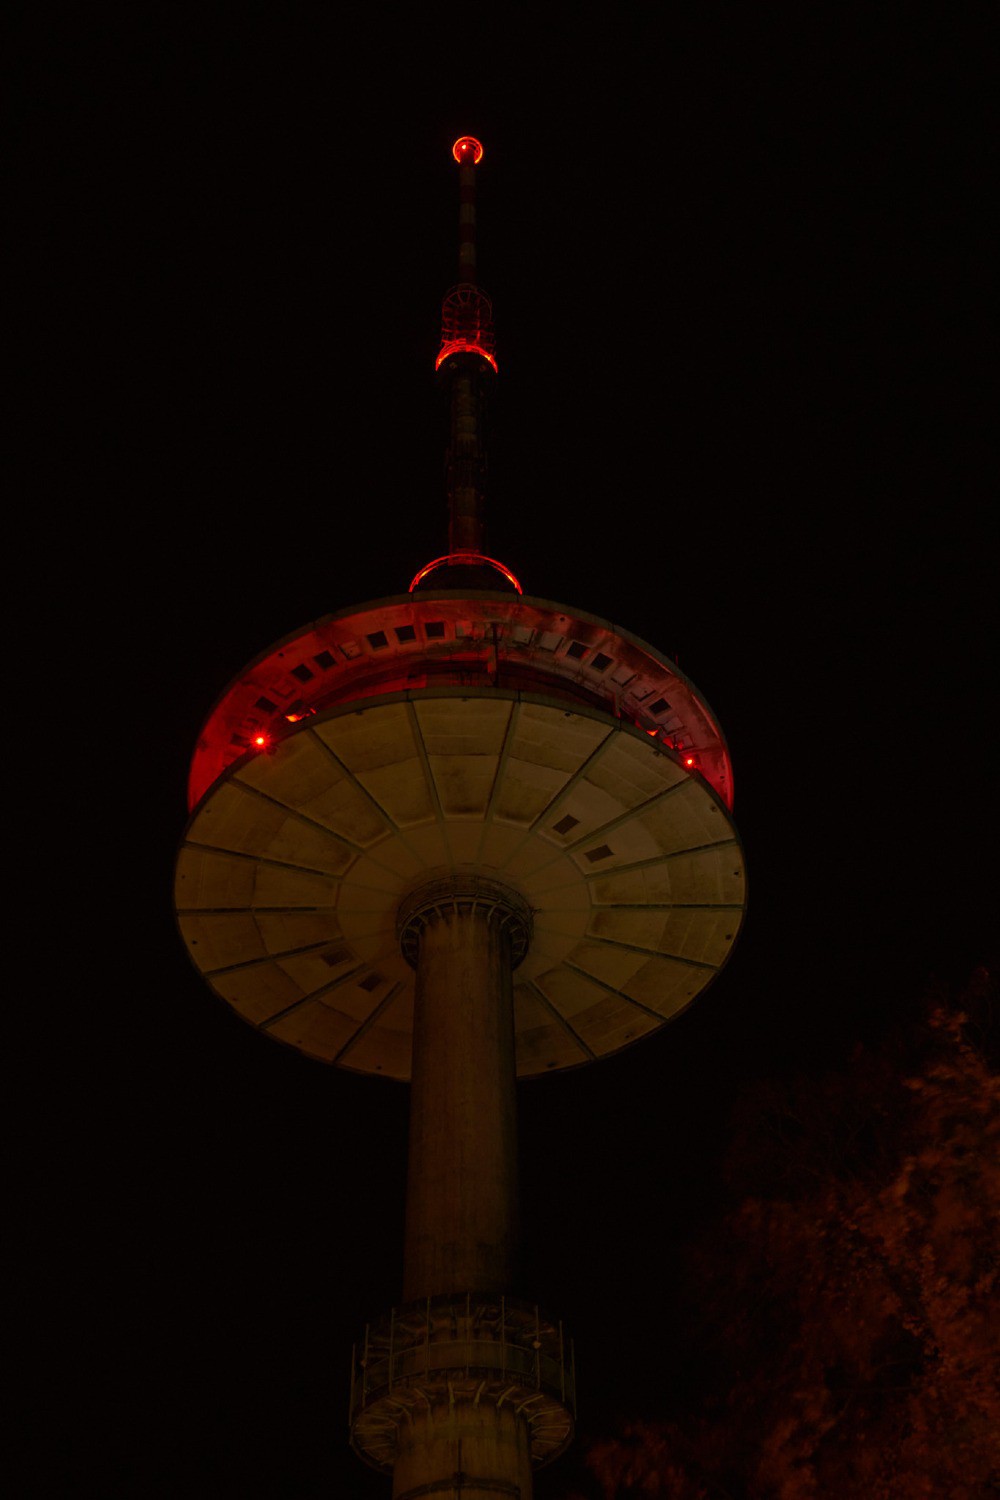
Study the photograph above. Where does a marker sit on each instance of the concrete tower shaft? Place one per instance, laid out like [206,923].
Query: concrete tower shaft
[461,1209]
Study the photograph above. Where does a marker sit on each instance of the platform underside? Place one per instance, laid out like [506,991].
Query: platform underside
[294,864]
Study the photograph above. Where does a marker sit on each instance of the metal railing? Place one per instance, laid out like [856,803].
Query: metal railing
[501,1341]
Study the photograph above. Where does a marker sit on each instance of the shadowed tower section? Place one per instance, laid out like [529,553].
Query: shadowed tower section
[460,836]
[463,934]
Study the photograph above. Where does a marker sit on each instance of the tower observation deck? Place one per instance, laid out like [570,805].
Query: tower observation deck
[461,836]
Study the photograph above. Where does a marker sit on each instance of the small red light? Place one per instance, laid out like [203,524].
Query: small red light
[260,740]
[464,145]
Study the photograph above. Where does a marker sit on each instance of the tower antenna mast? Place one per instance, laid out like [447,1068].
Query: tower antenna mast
[467,364]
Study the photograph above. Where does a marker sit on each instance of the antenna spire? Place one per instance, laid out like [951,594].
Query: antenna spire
[468,153]
[467,362]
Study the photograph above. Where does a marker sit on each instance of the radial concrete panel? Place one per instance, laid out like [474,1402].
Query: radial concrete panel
[260,996]
[302,774]
[297,859]
[708,874]
[316,1030]
[219,880]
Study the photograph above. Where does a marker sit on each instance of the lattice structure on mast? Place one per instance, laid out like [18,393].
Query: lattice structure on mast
[466,324]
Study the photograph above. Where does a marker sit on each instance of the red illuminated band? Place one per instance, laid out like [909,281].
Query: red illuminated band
[467,146]
[461,346]
[466,560]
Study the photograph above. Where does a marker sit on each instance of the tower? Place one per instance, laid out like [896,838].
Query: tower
[460,836]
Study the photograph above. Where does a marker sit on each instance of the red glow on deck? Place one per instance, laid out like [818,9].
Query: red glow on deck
[692,762]
[460,346]
[466,560]
[415,643]
[467,146]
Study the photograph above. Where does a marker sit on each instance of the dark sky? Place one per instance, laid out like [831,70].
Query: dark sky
[739,267]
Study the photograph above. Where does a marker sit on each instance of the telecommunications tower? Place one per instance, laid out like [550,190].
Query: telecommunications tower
[461,836]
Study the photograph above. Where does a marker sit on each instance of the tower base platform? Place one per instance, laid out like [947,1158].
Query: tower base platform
[473,1369]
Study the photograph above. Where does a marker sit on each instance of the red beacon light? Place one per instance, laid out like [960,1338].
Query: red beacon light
[689,761]
[464,346]
[259,741]
[467,146]
[465,560]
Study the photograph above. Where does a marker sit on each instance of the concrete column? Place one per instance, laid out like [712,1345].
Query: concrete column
[461,1205]
[480,1443]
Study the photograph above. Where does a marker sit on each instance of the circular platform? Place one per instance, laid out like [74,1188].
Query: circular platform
[465,1350]
[294,864]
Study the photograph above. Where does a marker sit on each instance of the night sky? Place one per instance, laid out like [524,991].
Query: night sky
[739,269]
